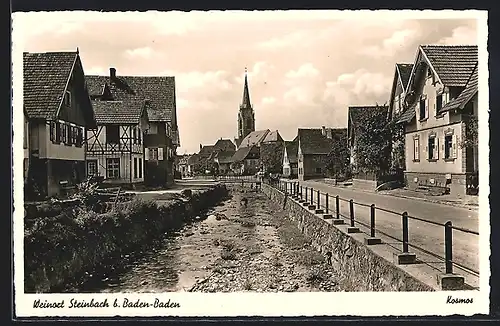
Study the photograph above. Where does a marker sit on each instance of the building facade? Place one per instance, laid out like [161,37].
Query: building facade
[314,146]
[441,99]
[115,148]
[161,138]
[58,111]
[290,164]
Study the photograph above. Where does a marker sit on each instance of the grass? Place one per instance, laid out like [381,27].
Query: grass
[316,276]
[308,257]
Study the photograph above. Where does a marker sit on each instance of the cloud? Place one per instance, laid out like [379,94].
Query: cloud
[143,53]
[304,68]
[460,36]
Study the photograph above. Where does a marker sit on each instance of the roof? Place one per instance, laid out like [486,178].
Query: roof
[118,112]
[159,90]
[242,153]
[254,138]
[225,156]
[404,72]
[225,145]
[206,150]
[453,63]
[292,149]
[312,141]
[45,76]
[192,159]
[273,136]
[245,103]
[466,95]
[406,116]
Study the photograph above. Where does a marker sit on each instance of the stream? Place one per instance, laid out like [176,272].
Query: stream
[243,244]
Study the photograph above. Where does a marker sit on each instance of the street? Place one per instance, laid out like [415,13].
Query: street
[428,236]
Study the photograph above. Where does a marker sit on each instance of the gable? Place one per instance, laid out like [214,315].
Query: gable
[45,76]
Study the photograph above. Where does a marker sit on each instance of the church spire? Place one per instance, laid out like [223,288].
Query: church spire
[246,95]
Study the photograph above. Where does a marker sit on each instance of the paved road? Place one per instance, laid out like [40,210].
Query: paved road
[428,236]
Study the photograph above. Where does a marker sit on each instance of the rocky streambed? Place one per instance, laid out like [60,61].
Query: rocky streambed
[244,244]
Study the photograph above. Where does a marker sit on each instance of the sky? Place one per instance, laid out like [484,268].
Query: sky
[304,68]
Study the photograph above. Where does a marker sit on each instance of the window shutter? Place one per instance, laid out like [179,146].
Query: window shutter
[58,132]
[454,146]
[436,148]
[146,154]
[160,154]
[52,131]
[426,107]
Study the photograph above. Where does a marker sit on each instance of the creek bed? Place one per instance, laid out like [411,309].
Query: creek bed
[233,247]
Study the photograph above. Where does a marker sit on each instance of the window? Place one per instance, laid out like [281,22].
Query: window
[318,170]
[58,132]
[135,167]
[139,136]
[439,103]
[153,129]
[134,135]
[79,137]
[300,171]
[92,168]
[64,132]
[74,135]
[432,148]
[423,108]
[112,134]
[153,154]
[448,144]
[113,168]
[416,149]
[67,98]
[140,167]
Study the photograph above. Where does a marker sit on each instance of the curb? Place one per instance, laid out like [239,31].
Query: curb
[470,207]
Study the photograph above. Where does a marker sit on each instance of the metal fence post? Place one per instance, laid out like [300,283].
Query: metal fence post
[312,196]
[405,232]
[372,220]
[306,192]
[326,203]
[337,207]
[301,194]
[448,247]
[351,211]
[319,200]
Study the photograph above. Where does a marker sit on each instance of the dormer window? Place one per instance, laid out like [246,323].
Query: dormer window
[67,98]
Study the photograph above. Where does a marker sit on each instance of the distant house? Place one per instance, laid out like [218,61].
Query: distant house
[162,136]
[356,125]
[223,159]
[400,81]
[273,136]
[192,164]
[115,148]
[290,161]
[246,160]
[26,148]
[442,101]
[57,111]
[314,145]
[224,145]
[182,165]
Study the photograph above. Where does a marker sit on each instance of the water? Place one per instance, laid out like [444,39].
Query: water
[233,247]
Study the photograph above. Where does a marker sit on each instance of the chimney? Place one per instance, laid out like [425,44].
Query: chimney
[323,130]
[200,147]
[329,133]
[112,73]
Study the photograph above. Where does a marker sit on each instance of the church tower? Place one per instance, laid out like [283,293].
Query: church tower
[246,115]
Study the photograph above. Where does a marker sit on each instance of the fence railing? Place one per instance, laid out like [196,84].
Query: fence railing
[329,204]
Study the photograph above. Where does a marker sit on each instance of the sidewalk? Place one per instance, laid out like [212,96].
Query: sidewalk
[469,202]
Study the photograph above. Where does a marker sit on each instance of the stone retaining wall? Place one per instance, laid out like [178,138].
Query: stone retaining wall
[358,266]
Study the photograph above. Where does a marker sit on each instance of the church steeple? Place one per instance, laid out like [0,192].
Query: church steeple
[246,116]
[245,103]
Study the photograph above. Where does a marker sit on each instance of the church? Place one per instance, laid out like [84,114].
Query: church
[246,115]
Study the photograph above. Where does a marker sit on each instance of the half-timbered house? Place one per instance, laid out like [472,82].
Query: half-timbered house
[162,136]
[115,148]
[58,110]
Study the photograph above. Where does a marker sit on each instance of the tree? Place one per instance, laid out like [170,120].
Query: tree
[470,139]
[373,141]
[271,156]
[337,161]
